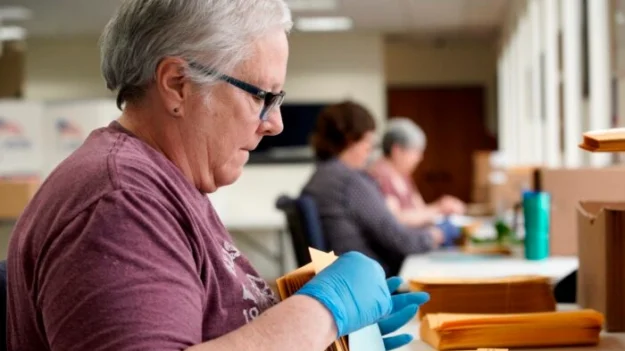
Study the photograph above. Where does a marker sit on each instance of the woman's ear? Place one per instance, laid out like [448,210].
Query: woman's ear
[172,84]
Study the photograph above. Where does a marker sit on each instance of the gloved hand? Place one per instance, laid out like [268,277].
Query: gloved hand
[354,290]
[405,308]
[450,232]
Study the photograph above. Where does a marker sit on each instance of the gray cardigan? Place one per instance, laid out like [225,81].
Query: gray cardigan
[355,217]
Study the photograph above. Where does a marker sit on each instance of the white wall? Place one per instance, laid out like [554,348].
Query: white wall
[321,68]
[457,63]
[64,69]
[326,67]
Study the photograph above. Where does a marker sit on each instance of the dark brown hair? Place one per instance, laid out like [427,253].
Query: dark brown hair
[338,126]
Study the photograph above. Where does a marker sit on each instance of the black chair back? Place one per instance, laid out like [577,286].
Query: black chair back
[3,305]
[304,226]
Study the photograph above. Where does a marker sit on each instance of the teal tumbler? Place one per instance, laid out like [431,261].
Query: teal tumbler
[536,212]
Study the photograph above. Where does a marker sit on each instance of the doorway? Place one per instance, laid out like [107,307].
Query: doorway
[454,121]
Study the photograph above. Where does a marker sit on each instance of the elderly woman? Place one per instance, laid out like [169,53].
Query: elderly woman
[121,249]
[402,146]
[353,212]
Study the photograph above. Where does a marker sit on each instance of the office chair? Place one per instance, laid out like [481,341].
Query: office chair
[3,305]
[304,226]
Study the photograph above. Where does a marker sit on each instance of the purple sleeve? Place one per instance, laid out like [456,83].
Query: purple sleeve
[368,207]
[121,276]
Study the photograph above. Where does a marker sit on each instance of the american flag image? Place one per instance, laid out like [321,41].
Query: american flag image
[67,128]
[9,128]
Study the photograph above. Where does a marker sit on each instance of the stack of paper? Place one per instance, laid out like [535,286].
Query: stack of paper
[518,294]
[550,329]
[610,140]
[366,339]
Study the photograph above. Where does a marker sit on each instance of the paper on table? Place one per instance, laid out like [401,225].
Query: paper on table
[366,339]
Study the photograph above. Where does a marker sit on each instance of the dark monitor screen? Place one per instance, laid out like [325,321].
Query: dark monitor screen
[293,144]
[299,121]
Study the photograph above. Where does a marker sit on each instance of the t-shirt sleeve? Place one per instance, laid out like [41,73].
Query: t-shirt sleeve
[368,207]
[382,178]
[121,276]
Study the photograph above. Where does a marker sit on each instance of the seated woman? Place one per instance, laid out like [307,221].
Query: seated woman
[350,204]
[402,146]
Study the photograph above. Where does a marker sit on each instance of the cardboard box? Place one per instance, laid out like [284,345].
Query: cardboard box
[568,187]
[68,124]
[601,273]
[481,171]
[507,194]
[14,196]
[21,138]
[12,69]
[494,184]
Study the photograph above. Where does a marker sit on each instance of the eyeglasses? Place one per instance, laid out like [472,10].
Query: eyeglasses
[270,100]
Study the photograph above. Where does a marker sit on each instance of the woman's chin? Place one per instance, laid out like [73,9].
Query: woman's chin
[230,173]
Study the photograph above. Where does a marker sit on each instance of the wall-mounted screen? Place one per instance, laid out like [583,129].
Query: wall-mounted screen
[293,144]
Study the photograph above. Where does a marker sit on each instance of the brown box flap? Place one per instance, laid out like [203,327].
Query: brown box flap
[601,273]
[14,196]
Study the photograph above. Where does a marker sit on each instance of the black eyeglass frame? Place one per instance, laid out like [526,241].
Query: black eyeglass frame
[270,100]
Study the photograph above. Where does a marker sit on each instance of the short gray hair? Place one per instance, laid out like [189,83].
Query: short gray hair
[403,132]
[219,33]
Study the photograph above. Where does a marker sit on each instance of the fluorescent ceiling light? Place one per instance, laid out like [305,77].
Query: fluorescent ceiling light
[12,33]
[14,13]
[323,24]
[312,5]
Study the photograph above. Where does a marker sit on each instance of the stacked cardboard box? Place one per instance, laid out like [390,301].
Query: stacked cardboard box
[601,273]
[14,196]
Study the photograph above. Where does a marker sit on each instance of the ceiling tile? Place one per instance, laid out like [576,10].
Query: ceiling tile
[425,17]
[375,14]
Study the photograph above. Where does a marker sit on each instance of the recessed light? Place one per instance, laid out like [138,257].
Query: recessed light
[14,13]
[312,5]
[8,33]
[323,24]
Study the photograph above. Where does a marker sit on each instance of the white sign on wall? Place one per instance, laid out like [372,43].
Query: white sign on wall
[68,124]
[21,138]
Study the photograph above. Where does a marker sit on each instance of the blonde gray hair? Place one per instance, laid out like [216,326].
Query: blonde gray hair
[403,132]
[217,33]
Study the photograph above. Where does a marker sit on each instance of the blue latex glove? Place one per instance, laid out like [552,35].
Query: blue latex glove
[405,308]
[354,290]
[450,231]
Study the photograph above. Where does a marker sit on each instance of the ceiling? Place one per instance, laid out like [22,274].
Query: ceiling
[438,18]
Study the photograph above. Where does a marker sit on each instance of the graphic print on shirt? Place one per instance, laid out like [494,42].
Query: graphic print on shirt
[230,253]
[255,289]
[260,293]
[265,297]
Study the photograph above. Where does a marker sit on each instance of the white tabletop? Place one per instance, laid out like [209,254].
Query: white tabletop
[453,264]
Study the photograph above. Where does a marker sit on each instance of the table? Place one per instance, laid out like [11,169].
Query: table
[455,264]
[242,228]
[609,341]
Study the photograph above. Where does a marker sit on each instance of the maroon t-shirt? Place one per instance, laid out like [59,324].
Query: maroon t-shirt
[118,251]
